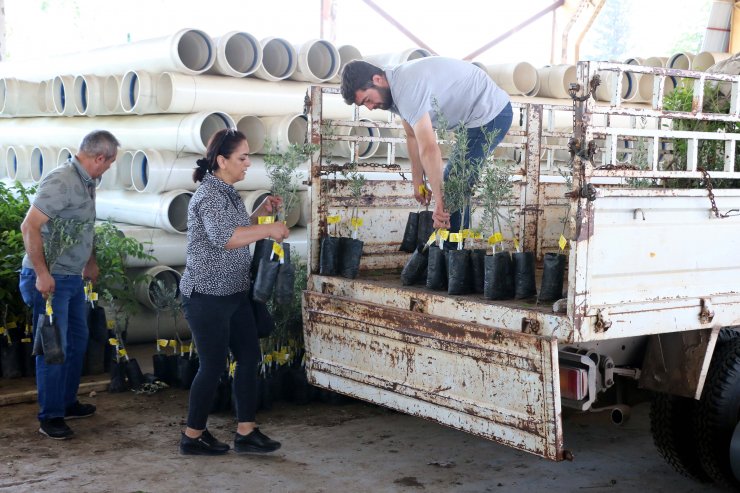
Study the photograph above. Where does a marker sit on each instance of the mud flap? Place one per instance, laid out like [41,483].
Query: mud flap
[498,384]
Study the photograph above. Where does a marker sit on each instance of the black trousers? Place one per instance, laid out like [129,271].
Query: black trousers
[220,323]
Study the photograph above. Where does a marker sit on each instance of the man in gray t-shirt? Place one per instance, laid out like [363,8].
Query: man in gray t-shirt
[422,90]
[67,192]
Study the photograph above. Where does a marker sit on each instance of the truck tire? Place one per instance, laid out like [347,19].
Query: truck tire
[671,419]
[718,411]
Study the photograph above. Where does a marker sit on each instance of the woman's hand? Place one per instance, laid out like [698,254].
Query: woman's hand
[278,231]
[268,206]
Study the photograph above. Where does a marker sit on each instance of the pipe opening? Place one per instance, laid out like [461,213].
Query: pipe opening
[212,124]
[37,164]
[242,53]
[278,59]
[129,91]
[177,212]
[322,60]
[111,94]
[58,95]
[418,53]
[63,156]
[254,129]
[297,130]
[195,50]
[140,171]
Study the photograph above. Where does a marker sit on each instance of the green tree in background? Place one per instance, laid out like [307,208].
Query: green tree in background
[608,39]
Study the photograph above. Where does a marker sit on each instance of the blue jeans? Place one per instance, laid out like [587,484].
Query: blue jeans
[476,154]
[57,385]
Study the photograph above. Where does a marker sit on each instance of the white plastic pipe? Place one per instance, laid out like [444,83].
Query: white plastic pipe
[254,129]
[23,98]
[317,61]
[64,154]
[645,86]
[167,248]
[514,78]
[112,95]
[304,198]
[536,89]
[555,80]
[282,131]
[706,59]
[3,162]
[396,58]
[167,211]
[123,179]
[184,133]
[366,150]
[656,61]
[62,90]
[142,325]
[152,275]
[279,60]
[717,34]
[155,171]
[681,61]
[180,93]
[188,50]
[138,92]
[347,53]
[41,161]
[608,83]
[257,177]
[253,198]
[88,95]
[238,54]
[17,162]
[109,180]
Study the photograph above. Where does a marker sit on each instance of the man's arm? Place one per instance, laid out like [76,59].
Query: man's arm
[431,162]
[417,171]
[31,231]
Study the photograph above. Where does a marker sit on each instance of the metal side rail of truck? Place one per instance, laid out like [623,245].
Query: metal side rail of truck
[646,197]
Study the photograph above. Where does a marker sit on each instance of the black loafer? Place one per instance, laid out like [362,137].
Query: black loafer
[255,443]
[205,444]
[79,410]
[55,428]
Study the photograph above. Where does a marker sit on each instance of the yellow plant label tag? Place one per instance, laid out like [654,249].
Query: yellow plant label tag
[94,296]
[432,238]
[477,235]
[49,309]
[232,368]
[562,242]
[333,219]
[444,234]
[122,352]
[516,244]
[29,328]
[11,325]
[268,358]
[162,343]
[110,324]
[356,222]
[172,343]
[456,237]
[265,220]
[113,341]
[26,340]
[277,249]
[467,233]
[2,330]
[495,238]
[186,348]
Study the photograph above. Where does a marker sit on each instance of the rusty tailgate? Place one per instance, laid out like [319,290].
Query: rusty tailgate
[498,384]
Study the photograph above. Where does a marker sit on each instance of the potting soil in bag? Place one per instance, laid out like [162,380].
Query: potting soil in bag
[426,227]
[436,269]
[350,253]
[458,269]
[264,284]
[524,283]
[329,258]
[410,234]
[11,352]
[284,284]
[161,367]
[478,268]
[51,341]
[499,277]
[553,269]
[415,267]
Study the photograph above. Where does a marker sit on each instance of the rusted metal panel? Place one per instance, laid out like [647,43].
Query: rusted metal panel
[490,382]
[677,363]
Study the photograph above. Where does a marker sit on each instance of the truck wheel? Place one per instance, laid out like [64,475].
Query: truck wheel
[673,434]
[718,412]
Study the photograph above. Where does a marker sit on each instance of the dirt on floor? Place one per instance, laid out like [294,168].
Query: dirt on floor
[131,445]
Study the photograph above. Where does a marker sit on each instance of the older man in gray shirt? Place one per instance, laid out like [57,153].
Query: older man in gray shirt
[422,92]
[68,192]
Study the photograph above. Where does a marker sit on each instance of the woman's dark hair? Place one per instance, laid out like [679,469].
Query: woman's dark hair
[357,75]
[223,143]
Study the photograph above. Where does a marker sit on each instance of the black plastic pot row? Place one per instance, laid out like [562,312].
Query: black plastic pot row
[340,256]
[500,276]
[271,277]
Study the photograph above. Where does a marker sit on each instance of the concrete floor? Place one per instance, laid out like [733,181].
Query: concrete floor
[130,445]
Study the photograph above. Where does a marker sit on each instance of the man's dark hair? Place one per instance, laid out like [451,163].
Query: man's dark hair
[357,75]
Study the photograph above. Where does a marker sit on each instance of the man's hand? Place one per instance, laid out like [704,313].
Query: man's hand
[45,284]
[440,216]
[422,194]
[91,271]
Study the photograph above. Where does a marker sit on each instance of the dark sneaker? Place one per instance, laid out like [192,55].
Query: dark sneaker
[205,444]
[55,428]
[255,443]
[79,410]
